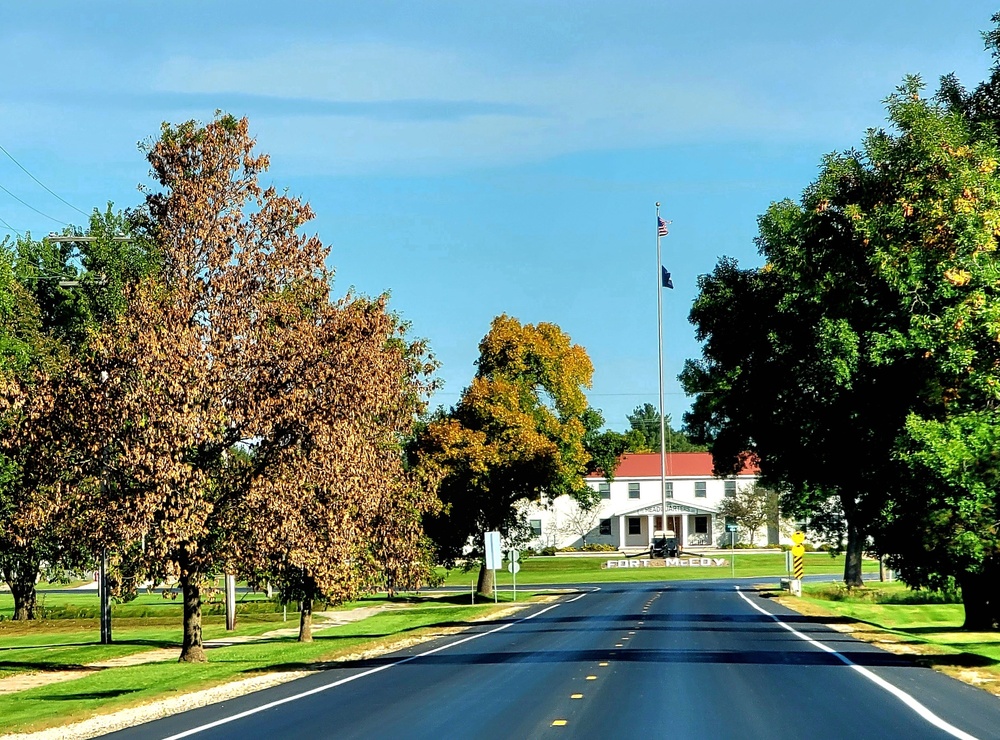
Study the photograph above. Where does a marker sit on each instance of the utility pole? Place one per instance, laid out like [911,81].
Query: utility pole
[102,579]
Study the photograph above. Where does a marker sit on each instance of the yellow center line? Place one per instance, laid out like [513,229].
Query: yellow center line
[559,723]
[576,696]
[603,663]
[591,678]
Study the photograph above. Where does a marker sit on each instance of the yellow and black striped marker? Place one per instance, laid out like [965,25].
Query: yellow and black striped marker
[797,552]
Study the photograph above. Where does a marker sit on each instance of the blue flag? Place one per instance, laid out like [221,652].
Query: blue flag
[667,282]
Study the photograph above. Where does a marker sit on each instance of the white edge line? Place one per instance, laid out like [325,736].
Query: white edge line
[369,672]
[908,700]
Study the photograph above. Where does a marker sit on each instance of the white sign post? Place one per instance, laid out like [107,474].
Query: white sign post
[494,558]
[513,566]
[731,528]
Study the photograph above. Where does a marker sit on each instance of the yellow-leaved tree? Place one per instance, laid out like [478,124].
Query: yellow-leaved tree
[516,434]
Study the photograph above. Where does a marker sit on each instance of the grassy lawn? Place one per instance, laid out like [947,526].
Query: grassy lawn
[67,644]
[898,619]
[84,604]
[588,569]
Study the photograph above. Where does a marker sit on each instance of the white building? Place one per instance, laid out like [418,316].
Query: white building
[630,509]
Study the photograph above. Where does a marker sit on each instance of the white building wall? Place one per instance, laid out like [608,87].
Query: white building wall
[554,519]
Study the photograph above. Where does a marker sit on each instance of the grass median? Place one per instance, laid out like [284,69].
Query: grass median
[67,646]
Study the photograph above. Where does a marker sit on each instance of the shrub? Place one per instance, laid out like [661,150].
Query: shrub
[876,594]
[599,547]
[548,551]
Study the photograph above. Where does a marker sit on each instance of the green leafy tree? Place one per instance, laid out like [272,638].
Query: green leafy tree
[879,292]
[644,423]
[789,374]
[606,447]
[516,435]
[64,291]
[934,238]
[752,507]
[27,358]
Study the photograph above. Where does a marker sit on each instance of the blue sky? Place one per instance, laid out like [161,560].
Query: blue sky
[481,158]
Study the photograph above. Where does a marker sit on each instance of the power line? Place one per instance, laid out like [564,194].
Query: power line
[10,228]
[40,213]
[602,395]
[647,393]
[11,156]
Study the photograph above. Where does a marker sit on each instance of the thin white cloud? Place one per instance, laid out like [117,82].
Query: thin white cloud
[376,106]
[594,103]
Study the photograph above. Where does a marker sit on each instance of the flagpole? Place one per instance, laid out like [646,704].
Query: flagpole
[659,361]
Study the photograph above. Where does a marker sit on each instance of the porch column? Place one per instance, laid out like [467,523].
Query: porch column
[621,531]
[684,531]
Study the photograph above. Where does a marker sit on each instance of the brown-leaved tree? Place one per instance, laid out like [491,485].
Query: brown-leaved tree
[237,417]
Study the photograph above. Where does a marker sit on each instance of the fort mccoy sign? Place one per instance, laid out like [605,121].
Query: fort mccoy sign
[666,563]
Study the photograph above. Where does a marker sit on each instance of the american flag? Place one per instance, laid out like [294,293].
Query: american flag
[661,226]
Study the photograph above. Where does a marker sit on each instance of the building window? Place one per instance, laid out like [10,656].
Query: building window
[605,526]
[700,487]
[633,490]
[634,525]
[730,488]
[605,489]
[701,524]
[668,489]
[536,527]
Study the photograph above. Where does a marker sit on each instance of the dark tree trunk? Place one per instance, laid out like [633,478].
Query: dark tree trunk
[306,620]
[981,604]
[24,599]
[484,587]
[853,554]
[21,574]
[192,650]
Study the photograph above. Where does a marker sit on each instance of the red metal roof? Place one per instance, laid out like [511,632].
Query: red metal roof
[647,465]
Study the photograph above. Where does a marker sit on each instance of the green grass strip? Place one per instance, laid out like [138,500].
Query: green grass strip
[588,569]
[116,688]
[917,619]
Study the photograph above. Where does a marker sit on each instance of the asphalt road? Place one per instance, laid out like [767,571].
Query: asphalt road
[643,660]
